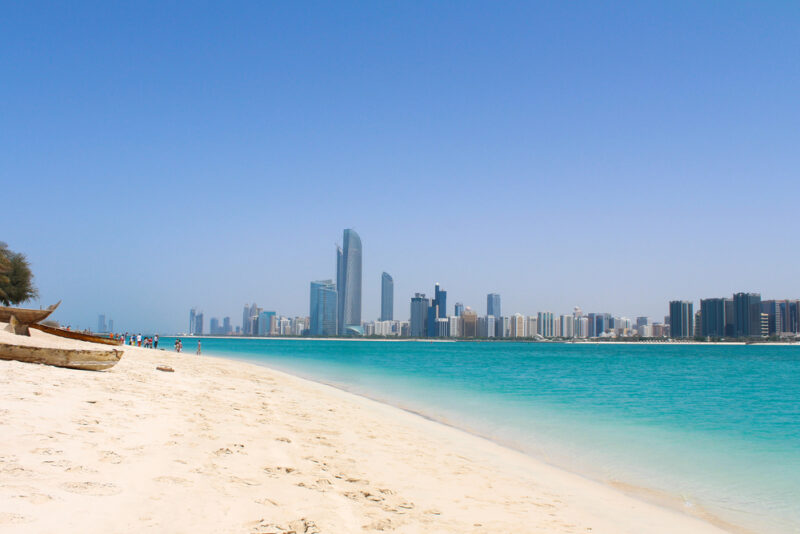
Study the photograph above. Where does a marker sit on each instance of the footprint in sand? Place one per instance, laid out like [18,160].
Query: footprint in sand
[96,489]
[173,480]
[110,457]
[7,518]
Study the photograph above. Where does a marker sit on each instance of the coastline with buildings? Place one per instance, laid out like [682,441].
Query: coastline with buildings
[335,310]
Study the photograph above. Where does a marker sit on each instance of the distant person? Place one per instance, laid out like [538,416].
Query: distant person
[198,348]
[139,340]
[155,341]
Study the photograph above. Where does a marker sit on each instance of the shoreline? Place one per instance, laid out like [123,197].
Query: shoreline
[491,340]
[227,445]
[662,499]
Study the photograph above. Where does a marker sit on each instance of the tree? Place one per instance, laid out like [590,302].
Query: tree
[16,278]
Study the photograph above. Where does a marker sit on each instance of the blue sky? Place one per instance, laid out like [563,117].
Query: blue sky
[159,156]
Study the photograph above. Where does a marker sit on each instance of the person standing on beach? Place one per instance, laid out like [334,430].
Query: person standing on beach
[155,341]
[198,348]
[139,340]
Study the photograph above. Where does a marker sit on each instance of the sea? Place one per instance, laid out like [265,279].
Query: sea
[711,429]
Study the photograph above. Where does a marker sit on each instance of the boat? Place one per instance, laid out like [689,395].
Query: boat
[71,334]
[86,359]
[26,316]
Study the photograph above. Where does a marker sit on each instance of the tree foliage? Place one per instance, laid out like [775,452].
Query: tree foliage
[16,278]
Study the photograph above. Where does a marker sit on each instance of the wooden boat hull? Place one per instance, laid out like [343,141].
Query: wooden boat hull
[86,359]
[25,316]
[60,332]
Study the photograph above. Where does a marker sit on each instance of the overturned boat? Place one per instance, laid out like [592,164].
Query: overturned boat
[72,358]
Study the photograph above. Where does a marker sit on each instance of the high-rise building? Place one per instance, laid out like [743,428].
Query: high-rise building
[493,305]
[348,283]
[455,326]
[567,326]
[387,297]
[773,310]
[323,308]
[419,315]
[192,323]
[226,326]
[642,321]
[198,324]
[681,319]
[518,325]
[469,323]
[437,309]
[213,326]
[101,323]
[712,313]
[265,323]
[545,324]
[111,325]
[459,309]
[246,321]
[747,314]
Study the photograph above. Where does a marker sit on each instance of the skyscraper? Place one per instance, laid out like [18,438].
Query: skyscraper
[348,278]
[192,315]
[747,314]
[226,326]
[198,324]
[712,317]
[387,297]
[681,319]
[459,309]
[437,310]
[493,305]
[101,323]
[323,308]
[419,315]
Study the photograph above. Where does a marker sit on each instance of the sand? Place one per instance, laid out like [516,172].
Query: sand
[225,446]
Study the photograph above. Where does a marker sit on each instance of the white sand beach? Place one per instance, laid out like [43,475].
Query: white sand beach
[225,446]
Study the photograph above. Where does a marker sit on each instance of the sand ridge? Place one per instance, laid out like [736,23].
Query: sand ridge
[226,446]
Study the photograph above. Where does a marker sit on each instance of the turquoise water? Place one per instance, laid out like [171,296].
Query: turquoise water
[717,427]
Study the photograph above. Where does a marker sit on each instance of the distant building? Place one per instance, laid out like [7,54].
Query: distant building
[437,309]
[567,326]
[192,315]
[199,326]
[348,283]
[455,326]
[213,326]
[419,315]
[387,297]
[227,329]
[111,325]
[266,323]
[101,323]
[469,323]
[459,309]
[712,321]
[544,323]
[681,319]
[493,305]
[518,325]
[642,321]
[747,315]
[323,308]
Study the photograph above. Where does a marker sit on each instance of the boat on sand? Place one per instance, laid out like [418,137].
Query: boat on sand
[87,359]
[26,316]
[71,334]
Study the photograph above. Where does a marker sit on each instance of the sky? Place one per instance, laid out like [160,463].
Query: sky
[159,156]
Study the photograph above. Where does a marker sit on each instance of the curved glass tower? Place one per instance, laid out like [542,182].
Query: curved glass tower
[348,278]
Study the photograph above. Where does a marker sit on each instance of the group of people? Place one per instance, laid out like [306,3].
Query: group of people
[137,340]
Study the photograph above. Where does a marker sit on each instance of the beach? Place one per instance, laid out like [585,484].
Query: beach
[226,446]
